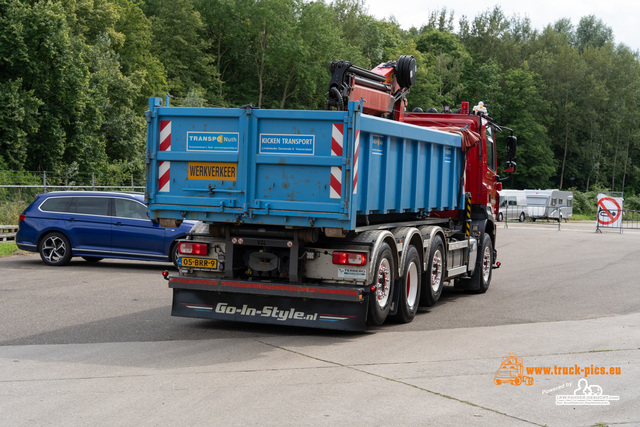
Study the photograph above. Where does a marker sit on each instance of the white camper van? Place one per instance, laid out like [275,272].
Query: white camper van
[549,204]
[513,205]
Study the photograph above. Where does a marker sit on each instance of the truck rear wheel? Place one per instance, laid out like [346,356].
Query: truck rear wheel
[410,284]
[384,278]
[434,276]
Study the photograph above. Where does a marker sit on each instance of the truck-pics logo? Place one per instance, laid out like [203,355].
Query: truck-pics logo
[511,371]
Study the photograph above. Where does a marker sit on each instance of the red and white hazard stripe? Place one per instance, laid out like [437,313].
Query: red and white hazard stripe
[164,168]
[356,163]
[337,143]
[337,147]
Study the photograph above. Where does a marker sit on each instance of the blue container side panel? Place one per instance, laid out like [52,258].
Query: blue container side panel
[282,167]
[286,182]
[408,169]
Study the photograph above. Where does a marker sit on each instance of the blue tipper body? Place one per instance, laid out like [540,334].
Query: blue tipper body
[295,168]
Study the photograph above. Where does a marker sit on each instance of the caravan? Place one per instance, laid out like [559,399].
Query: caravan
[549,204]
[513,205]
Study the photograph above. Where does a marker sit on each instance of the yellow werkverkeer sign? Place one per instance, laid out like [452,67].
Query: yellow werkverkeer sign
[213,171]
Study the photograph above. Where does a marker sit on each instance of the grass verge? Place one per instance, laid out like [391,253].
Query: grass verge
[8,249]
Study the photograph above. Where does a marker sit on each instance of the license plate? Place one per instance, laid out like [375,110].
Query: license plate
[199,263]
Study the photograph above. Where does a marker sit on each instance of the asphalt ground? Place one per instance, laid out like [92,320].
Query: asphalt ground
[94,344]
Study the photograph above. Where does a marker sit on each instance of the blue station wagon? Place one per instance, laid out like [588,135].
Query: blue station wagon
[96,225]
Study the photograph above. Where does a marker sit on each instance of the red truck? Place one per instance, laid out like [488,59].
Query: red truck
[328,219]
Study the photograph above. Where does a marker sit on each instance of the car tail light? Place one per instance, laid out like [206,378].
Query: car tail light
[22,217]
[349,258]
[190,248]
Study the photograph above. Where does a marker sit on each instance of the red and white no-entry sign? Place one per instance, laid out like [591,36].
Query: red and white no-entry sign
[609,211]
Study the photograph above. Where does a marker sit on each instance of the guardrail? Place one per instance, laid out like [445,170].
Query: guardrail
[8,232]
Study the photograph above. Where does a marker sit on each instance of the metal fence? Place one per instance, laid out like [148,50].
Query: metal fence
[524,213]
[48,181]
[629,219]
[18,185]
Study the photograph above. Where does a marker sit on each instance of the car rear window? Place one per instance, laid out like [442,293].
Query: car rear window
[56,204]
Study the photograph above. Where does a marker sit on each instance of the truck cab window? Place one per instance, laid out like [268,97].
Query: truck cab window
[491,149]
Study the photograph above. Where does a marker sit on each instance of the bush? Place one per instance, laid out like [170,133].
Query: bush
[10,211]
[632,203]
[584,203]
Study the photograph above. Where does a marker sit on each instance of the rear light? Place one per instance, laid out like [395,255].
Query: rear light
[22,217]
[464,108]
[349,258]
[190,248]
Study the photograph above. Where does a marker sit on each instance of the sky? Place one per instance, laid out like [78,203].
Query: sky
[622,16]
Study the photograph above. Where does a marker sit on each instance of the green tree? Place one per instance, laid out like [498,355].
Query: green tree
[18,120]
[592,32]
[565,75]
[40,54]
[134,53]
[526,111]
[180,45]
[483,83]
[223,25]
[447,59]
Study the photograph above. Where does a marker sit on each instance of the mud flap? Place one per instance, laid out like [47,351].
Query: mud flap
[275,310]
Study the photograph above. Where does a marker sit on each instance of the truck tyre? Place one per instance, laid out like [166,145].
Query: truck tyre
[410,284]
[481,278]
[521,218]
[406,71]
[55,249]
[174,255]
[434,275]
[384,278]
[500,217]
